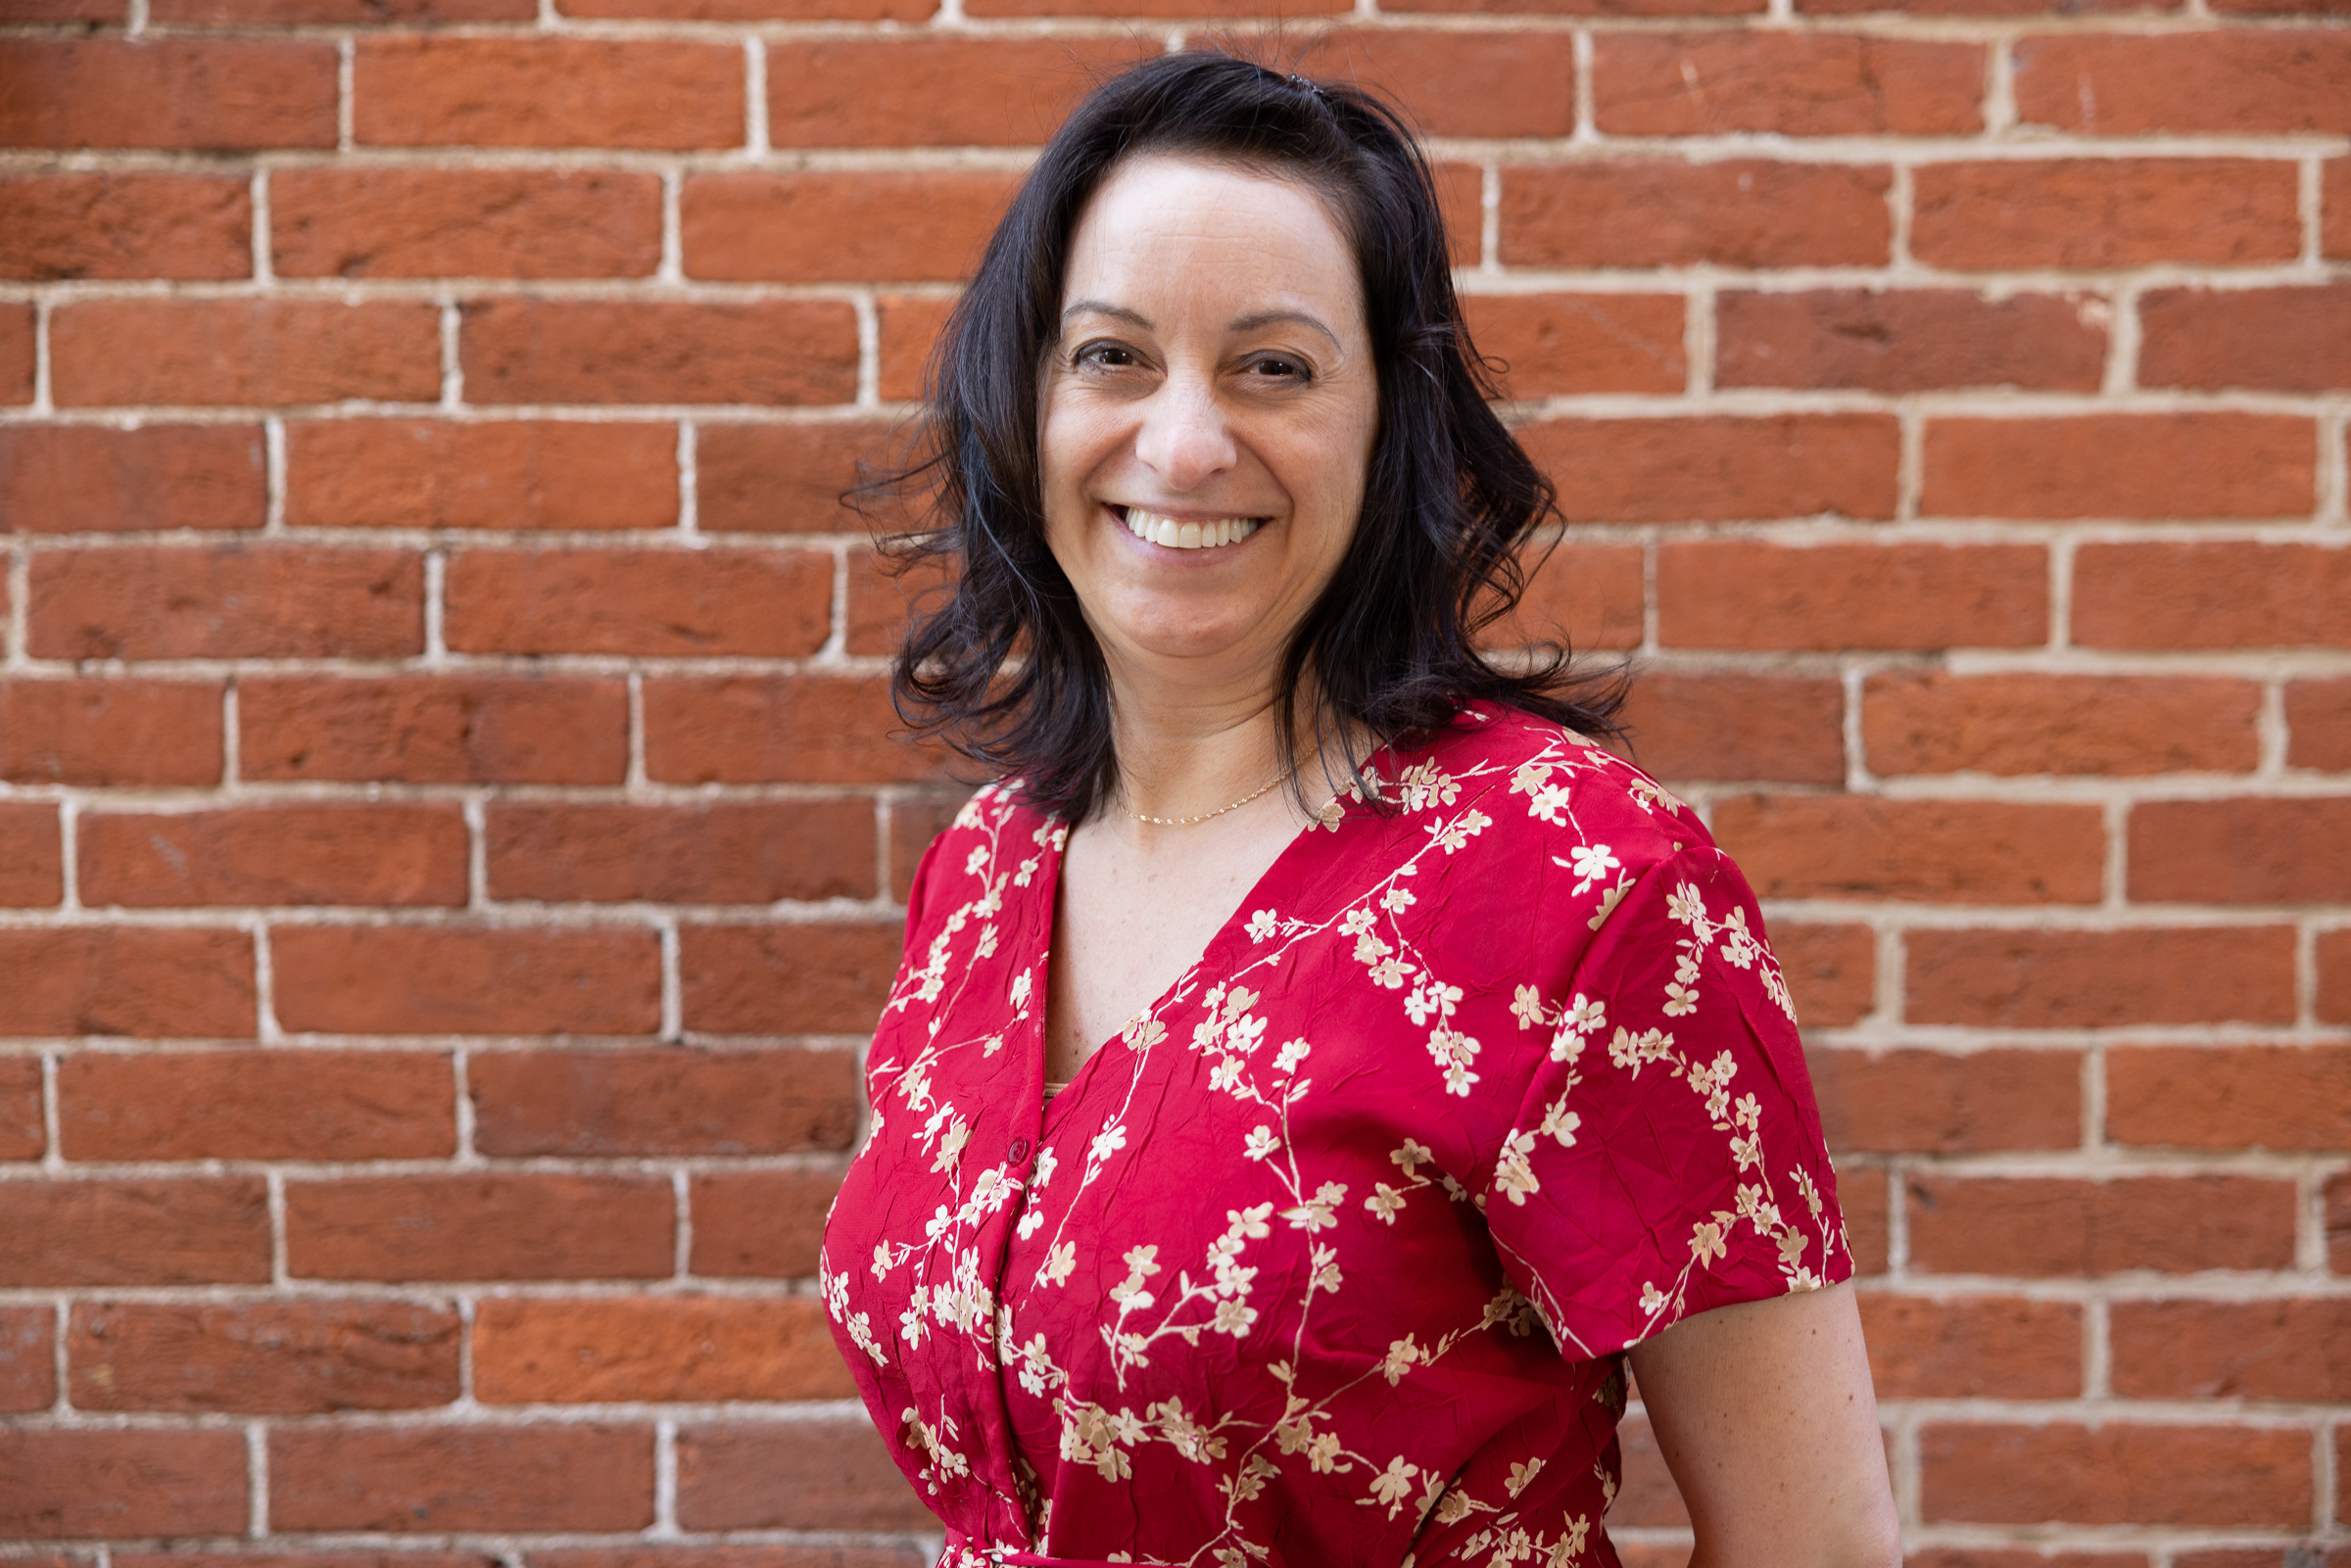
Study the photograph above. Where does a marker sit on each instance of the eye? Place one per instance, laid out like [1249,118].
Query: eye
[1280,367]
[1105,357]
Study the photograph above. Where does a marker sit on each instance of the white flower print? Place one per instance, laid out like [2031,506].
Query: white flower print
[1263,924]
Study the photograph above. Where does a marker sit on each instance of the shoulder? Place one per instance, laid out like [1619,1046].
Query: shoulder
[996,841]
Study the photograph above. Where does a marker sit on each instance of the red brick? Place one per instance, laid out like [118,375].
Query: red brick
[679,603]
[78,479]
[677,1349]
[31,856]
[1740,594]
[908,1555]
[1861,1195]
[2334,978]
[2242,1097]
[267,1557]
[784,479]
[1908,340]
[467,1226]
[717,852]
[326,854]
[1738,726]
[806,729]
[67,11]
[2301,1554]
[908,324]
[594,352]
[2024,1557]
[256,1105]
[306,1358]
[210,353]
[1657,212]
[786,979]
[2219,594]
[763,1225]
[27,1361]
[1557,345]
[435,728]
[1786,83]
[815,225]
[276,602]
[2239,80]
[502,474]
[201,1230]
[95,979]
[914,822]
[464,223]
[929,91]
[758,10]
[2097,214]
[1830,969]
[69,1484]
[448,980]
[2115,1474]
[435,1480]
[16,353]
[1485,85]
[2121,465]
[1976,1348]
[1929,721]
[1935,1101]
[2298,1350]
[2289,340]
[183,94]
[598,1104]
[110,732]
[2318,721]
[2058,979]
[1580,594]
[2050,1226]
[125,225]
[22,1134]
[361,13]
[1719,467]
[2335,206]
[2245,850]
[887,595]
[1597,8]
[430,91]
[845,1479]
[1149,8]
[1935,851]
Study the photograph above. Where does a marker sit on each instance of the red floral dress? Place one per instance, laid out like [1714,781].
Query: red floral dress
[1328,1258]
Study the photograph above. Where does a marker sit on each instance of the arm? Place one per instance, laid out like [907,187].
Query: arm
[1766,1415]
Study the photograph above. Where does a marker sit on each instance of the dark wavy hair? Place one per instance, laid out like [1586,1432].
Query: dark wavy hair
[1006,670]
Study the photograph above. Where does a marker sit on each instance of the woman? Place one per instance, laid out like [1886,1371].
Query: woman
[1280,1175]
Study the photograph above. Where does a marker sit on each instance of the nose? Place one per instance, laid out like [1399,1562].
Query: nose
[1184,438]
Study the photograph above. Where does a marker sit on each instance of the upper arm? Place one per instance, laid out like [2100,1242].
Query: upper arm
[1764,1414]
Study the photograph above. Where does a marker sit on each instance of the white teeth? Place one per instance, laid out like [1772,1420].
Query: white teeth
[1188,536]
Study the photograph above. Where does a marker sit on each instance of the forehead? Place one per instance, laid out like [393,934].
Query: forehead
[1159,223]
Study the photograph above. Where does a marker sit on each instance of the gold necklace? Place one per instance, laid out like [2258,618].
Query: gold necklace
[1186,821]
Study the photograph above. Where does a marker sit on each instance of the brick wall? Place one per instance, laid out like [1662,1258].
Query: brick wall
[449,854]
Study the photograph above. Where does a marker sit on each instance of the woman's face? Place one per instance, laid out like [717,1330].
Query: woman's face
[1208,416]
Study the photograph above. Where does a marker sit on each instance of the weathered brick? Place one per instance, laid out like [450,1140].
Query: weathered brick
[786,478]
[1454,83]
[2092,214]
[2317,722]
[1657,212]
[2284,340]
[812,729]
[1719,467]
[256,1105]
[1559,345]
[598,1104]
[640,351]
[429,91]
[262,1357]
[2053,1226]
[97,980]
[1599,8]
[845,1479]
[447,979]
[27,1360]
[2242,851]
[907,325]
[212,352]
[2239,80]
[758,10]
[436,729]
[16,353]
[86,479]
[887,594]
[2242,1097]
[388,854]
[929,91]
[193,1231]
[465,1227]
[2298,1350]
[1933,851]
[914,822]
[439,1478]
[765,1224]
[2022,979]
[786,979]
[1863,1195]
[503,474]
[166,601]
[22,1134]
[1787,84]
[2121,465]
[677,1349]
[1733,725]
[1975,1347]
[1739,593]
[1830,971]
[125,225]
[31,856]
[718,852]
[347,13]
[2335,206]
[464,223]
[1930,721]
[2216,594]
[2094,1475]
[815,225]
[2334,976]
[110,732]
[180,94]
[58,1485]
[679,603]
[1908,340]
[1938,1102]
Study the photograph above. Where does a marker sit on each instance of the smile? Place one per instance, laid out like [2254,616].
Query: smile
[1181,535]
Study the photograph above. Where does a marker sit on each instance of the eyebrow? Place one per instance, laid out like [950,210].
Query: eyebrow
[1246,323]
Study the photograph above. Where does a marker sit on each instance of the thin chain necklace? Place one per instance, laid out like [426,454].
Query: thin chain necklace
[1186,821]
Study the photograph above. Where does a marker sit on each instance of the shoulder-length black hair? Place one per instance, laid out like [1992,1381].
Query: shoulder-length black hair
[1006,670]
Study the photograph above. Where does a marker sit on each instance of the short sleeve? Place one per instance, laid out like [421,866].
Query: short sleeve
[1666,1157]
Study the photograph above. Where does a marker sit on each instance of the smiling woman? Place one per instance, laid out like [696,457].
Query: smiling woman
[1288,1177]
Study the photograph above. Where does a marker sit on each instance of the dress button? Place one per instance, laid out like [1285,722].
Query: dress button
[1019,1150]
